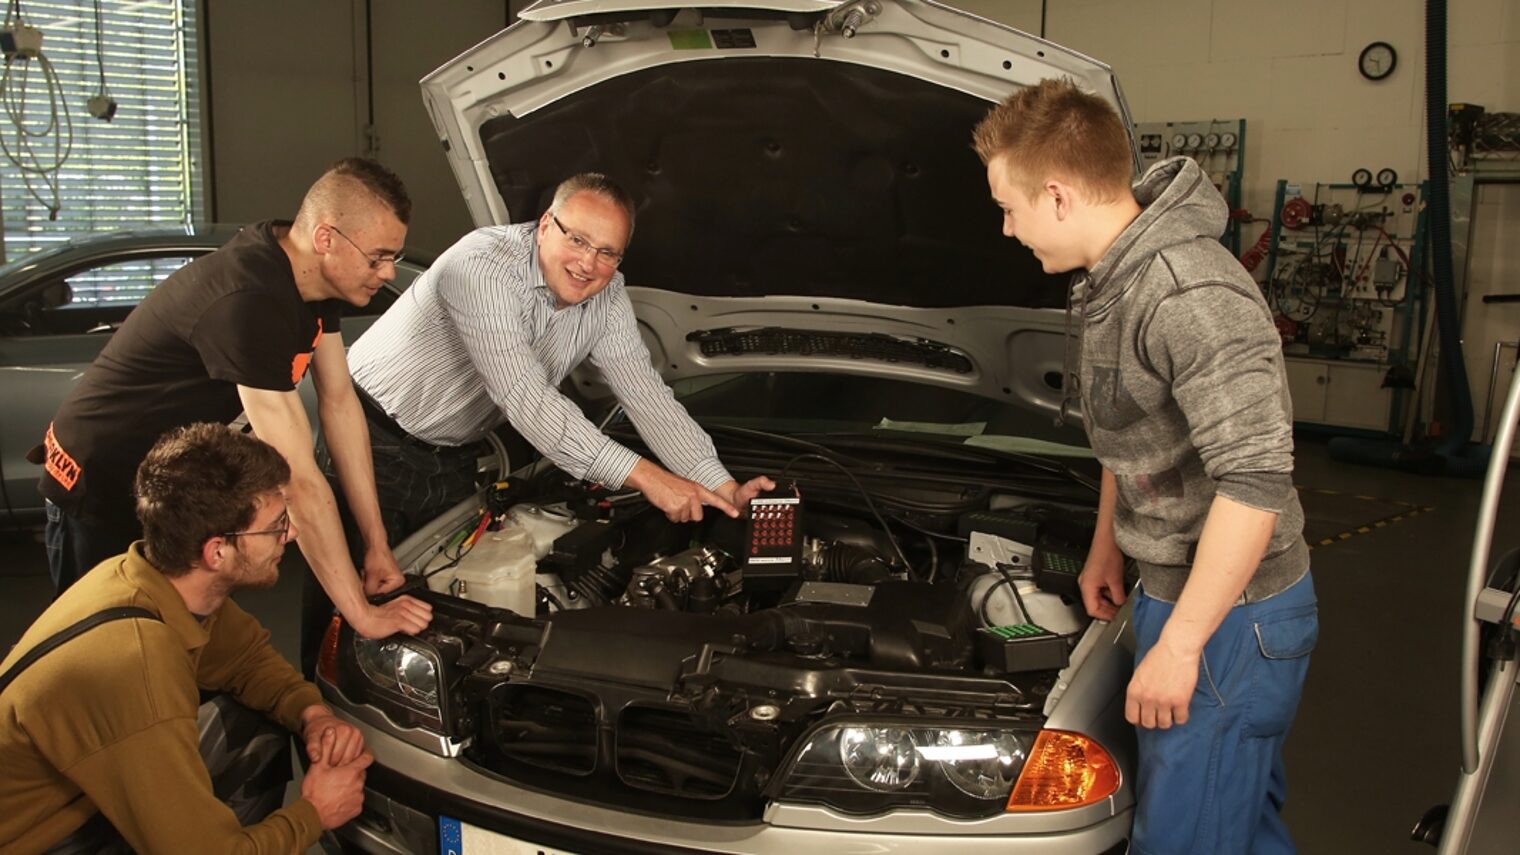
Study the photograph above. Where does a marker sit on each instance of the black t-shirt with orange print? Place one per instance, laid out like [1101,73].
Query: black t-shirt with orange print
[232,318]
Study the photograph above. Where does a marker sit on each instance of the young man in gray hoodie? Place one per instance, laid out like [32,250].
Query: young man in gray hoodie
[1185,403]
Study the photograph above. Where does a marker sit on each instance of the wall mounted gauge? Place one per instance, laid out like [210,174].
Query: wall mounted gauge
[1362,178]
[1179,141]
[1386,178]
[1227,140]
[1194,140]
[1377,60]
[1211,141]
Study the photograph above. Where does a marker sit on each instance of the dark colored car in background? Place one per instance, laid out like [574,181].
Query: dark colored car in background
[58,309]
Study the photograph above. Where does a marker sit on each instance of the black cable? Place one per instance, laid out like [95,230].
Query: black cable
[896,547]
[1012,586]
[459,553]
[931,534]
[982,610]
[100,59]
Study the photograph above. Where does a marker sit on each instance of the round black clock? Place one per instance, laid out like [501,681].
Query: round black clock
[1377,60]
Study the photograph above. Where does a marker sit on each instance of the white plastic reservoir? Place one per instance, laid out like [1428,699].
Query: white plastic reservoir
[1045,609]
[501,568]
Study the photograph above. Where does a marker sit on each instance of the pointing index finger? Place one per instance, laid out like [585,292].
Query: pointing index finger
[713,500]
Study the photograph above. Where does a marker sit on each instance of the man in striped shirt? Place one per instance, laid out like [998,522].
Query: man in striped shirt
[488,334]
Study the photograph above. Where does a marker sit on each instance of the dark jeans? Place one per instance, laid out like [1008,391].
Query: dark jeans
[248,757]
[75,546]
[415,482]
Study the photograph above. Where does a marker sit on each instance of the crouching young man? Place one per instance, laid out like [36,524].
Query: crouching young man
[104,740]
[1185,403]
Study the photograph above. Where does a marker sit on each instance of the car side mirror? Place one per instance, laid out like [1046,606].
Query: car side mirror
[55,294]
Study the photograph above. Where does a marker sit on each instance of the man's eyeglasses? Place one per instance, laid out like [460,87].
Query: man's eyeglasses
[281,528]
[604,256]
[375,258]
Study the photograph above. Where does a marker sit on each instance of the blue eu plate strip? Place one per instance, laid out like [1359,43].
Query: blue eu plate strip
[450,836]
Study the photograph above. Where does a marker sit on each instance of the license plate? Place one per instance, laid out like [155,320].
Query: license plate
[461,838]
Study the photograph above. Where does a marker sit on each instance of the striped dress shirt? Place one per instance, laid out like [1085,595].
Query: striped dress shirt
[477,337]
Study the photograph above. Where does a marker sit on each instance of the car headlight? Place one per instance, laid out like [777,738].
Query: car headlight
[404,670]
[879,758]
[872,767]
[982,764]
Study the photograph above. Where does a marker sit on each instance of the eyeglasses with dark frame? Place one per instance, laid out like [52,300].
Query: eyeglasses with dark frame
[282,528]
[375,259]
[608,257]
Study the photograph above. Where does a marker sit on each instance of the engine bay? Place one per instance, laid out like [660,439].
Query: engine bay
[584,642]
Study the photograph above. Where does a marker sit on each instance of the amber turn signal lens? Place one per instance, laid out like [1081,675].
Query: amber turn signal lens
[327,657]
[1064,770]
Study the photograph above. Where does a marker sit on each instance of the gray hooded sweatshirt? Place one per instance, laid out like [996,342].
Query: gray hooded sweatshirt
[1182,386]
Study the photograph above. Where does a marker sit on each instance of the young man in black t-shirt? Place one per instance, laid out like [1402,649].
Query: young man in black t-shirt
[234,332]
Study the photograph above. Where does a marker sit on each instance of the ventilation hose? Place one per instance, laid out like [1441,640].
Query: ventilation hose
[1453,368]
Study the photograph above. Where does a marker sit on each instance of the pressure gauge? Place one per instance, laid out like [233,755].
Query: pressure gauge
[1362,178]
[1194,140]
[1211,141]
[1227,140]
[1386,178]
[1178,141]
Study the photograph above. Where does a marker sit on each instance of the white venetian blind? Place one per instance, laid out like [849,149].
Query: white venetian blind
[141,169]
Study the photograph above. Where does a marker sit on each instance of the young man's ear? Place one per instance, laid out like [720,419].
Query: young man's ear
[214,551]
[1061,195]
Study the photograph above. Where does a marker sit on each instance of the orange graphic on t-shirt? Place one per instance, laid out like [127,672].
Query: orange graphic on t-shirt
[299,365]
[64,469]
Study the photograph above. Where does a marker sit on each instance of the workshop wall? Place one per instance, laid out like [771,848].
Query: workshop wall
[283,107]
[290,92]
[1289,68]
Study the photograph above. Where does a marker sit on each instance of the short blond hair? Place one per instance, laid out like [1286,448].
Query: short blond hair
[1054,129]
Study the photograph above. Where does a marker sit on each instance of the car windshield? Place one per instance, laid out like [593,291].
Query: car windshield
[795,403]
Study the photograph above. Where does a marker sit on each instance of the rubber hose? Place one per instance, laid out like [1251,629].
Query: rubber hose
[1453,368]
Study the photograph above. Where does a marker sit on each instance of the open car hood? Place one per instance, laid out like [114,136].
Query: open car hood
[813,153]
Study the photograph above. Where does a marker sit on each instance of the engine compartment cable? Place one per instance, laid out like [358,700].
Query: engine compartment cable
[864,493]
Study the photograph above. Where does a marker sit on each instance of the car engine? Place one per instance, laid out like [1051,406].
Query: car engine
[582,641]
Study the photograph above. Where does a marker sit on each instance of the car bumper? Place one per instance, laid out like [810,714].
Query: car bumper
[408,790]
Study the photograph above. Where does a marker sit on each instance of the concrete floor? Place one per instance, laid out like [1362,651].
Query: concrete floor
[1376,741]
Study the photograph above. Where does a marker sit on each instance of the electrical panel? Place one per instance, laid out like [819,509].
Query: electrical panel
[1338,276]
[1218,145]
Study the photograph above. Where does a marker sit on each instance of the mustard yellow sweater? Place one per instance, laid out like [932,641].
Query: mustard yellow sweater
[107,721]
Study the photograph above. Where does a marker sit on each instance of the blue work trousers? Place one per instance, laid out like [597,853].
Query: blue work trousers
[1217,784]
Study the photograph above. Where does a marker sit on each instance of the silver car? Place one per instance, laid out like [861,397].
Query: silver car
[59,307]
[888,654]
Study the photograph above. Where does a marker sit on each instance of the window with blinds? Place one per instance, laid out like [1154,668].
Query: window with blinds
[143,168]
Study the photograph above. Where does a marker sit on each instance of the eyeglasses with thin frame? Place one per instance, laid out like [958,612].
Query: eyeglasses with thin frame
[282,528]
[604,256]
[375,258]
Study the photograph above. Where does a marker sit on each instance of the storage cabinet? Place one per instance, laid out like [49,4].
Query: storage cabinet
[1340,394]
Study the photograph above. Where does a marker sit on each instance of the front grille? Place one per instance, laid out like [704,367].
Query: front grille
[667,752]
[649,757]
[544,728]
